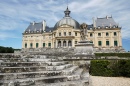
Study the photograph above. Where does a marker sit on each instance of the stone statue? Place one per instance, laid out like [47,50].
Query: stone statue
[84,31]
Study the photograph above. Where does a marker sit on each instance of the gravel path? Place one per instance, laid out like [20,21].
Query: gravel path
[109,81]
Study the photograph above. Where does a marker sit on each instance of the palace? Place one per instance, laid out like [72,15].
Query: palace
[104,33]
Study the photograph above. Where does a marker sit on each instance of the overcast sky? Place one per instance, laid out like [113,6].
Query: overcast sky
[16,15]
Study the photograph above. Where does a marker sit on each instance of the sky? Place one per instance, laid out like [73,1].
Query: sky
[16,15]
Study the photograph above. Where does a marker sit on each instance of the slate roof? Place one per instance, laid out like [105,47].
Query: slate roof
[37,27]
[107,21]
[68,21]
[90,26]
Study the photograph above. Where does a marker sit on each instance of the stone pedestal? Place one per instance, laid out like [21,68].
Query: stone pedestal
[84,47]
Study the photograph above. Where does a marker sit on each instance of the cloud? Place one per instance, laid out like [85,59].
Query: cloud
[17,14]
[6,35]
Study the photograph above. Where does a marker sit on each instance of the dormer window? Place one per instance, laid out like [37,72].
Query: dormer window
[98,27]
[114,26]
[106,26]
[26,32]
[37,31]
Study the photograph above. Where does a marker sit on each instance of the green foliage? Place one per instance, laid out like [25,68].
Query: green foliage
[110,68]
[113,54]
[100,68]
[6,49]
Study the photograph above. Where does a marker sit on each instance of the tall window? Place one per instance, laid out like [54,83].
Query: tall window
[44,44]
[91,41]
[69,33]
[107,34]
[107,43]
[115,43]
[91,35]
[60,34]
[99,43]
[36,45]
[75,33]
[115,34]
[99,34]
[31,45]
[49,44]
[25,45]
[75,42]
[64,33]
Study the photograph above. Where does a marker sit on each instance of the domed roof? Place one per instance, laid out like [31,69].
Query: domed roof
[67,20]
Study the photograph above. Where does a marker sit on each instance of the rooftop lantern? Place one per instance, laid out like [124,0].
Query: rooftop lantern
[67,12]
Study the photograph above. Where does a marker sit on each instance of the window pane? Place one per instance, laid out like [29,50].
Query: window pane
[107,34]
[31,45]
[75,33]
[114,33]
[43,44]
[107,43]
[115,43]
[91,34]
[36,45]
[99,43]
[49,44]
[64,33]
[25,45]
[69,33]
[99,34]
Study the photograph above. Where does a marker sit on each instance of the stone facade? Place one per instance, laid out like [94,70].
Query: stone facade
[104,33]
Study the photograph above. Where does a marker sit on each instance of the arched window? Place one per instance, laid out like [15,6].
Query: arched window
[59,43]
[64,43]
[31,45]
[69,43]
[25,45]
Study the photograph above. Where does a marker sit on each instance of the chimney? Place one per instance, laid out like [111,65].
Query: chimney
[106,17]
[33,22]
[43,24]
[94,23]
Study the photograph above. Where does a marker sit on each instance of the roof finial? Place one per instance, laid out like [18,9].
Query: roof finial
[67,12]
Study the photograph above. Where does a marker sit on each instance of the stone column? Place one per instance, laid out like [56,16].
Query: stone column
[66,43]
[111,41]
[119,39]
[72,42]
[95,40]
[61,43]
[56,44]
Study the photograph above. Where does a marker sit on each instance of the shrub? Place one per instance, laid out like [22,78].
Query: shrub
[110,68]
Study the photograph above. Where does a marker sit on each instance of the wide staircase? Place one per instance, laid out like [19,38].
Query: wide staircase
[40,70]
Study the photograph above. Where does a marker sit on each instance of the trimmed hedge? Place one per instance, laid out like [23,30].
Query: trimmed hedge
[6,49]
[113,54]
[110,68]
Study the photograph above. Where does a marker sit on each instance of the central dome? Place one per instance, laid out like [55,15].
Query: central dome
[68,21]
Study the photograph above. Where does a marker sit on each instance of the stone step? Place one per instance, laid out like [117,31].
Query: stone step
[31,63]
[69,71]
[76,75]
[84,82]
